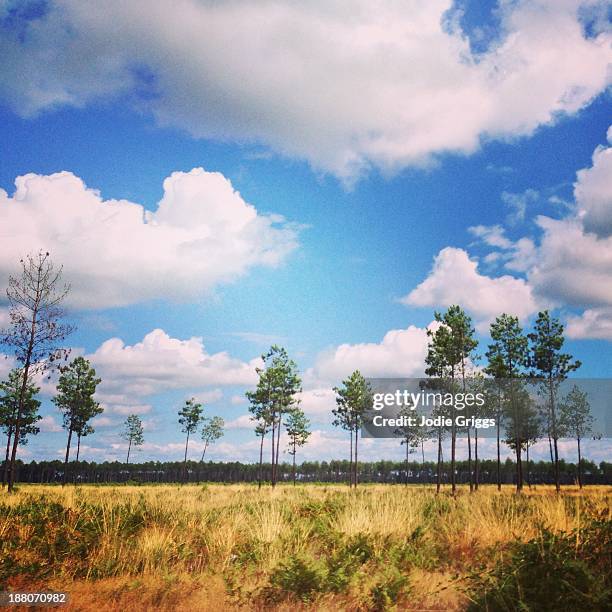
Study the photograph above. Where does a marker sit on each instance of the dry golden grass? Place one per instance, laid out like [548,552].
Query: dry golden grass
[169,547]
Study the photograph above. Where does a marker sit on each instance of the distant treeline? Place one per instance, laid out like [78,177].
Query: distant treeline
[396,472]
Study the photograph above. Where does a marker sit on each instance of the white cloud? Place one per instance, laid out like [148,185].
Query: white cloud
[208,397]
[126,409]
[319,402]
[400,353]
[568,264]
[523,255]
[244,421]
[593,193]
[103,421]
[115,253]
[573,267]
[4,317]
[160,363]
[343,86]
[491,235]
[518,204]
[592,323]
[7,362]
[48,424]
[455,279]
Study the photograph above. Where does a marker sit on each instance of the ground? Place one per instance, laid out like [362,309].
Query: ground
[214,546]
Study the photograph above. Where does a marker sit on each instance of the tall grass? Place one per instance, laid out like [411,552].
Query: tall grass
[306,545]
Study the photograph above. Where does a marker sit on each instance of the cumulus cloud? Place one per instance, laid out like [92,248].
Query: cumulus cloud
[593,323]
[131,373]
[569,262]
[400,353]
[573,267]
[116,253]
[48,424]
[455,279]
[593,192]
[342,86]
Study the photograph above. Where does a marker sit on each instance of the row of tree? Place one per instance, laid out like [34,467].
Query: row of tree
[335,471]
[36,332]
[516,363]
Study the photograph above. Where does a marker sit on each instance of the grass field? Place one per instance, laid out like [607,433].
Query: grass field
[215,547]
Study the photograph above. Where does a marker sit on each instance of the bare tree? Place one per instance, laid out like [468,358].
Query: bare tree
[36,329]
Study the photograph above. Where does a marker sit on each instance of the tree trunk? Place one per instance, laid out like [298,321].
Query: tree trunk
[204,451]
[78,447]
[498,456]
[550,448]
[579,464]
[260,461]
[422,454]
[438,475]
[127,461]
[26,371]
[356,439]
[6,458]
[407,453]
[351,462]
[453,439]
[469,439]
[476,467]
[528,465]
[65,475]
[554,436]
[294,452]
[185,459]
[278,435]
[273,471]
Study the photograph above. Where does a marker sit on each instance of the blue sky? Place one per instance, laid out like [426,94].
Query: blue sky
[412,160]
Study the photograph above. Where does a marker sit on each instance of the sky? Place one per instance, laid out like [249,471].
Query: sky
[218,177]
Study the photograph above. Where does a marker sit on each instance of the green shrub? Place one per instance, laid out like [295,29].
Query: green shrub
[551,572]
[301,577]
[386,592]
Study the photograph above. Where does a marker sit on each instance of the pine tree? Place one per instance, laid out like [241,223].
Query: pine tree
[552,366]
[9,406]
[507,359]
[190,416]
[75,390]
[576,420]
[260,407]
[452,347]
[133,433]
[274,398]
[212,430]
[353,401]
[298,432]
